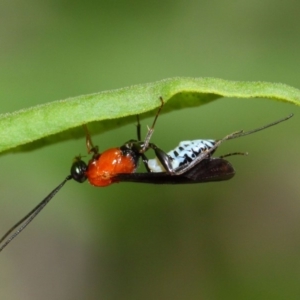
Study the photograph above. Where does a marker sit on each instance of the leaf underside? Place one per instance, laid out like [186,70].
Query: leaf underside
[31,128]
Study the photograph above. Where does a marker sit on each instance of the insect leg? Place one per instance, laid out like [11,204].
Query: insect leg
[89,143]
[145,162]
[138,128]
[151,129]
[163,158]
[233,153]
[242,133]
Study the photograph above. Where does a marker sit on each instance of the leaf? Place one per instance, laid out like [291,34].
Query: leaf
[34,127]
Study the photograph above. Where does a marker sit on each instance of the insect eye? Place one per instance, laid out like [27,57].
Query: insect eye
[78,170]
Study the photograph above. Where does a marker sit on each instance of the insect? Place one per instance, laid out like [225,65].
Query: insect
[190,162]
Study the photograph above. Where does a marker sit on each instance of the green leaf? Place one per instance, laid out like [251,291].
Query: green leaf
[34,127]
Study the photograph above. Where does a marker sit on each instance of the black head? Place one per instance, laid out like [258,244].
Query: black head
[78,170]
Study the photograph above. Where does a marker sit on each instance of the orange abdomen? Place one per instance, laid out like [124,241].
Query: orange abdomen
[101,172]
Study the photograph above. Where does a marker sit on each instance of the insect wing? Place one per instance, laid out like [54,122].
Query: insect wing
[212,169]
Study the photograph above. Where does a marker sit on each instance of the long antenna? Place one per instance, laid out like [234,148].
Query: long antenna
[30,216]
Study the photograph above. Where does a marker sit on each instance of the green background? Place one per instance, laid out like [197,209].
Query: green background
[231,240]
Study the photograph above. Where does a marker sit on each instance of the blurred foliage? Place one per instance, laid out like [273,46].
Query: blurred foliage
[230,240]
